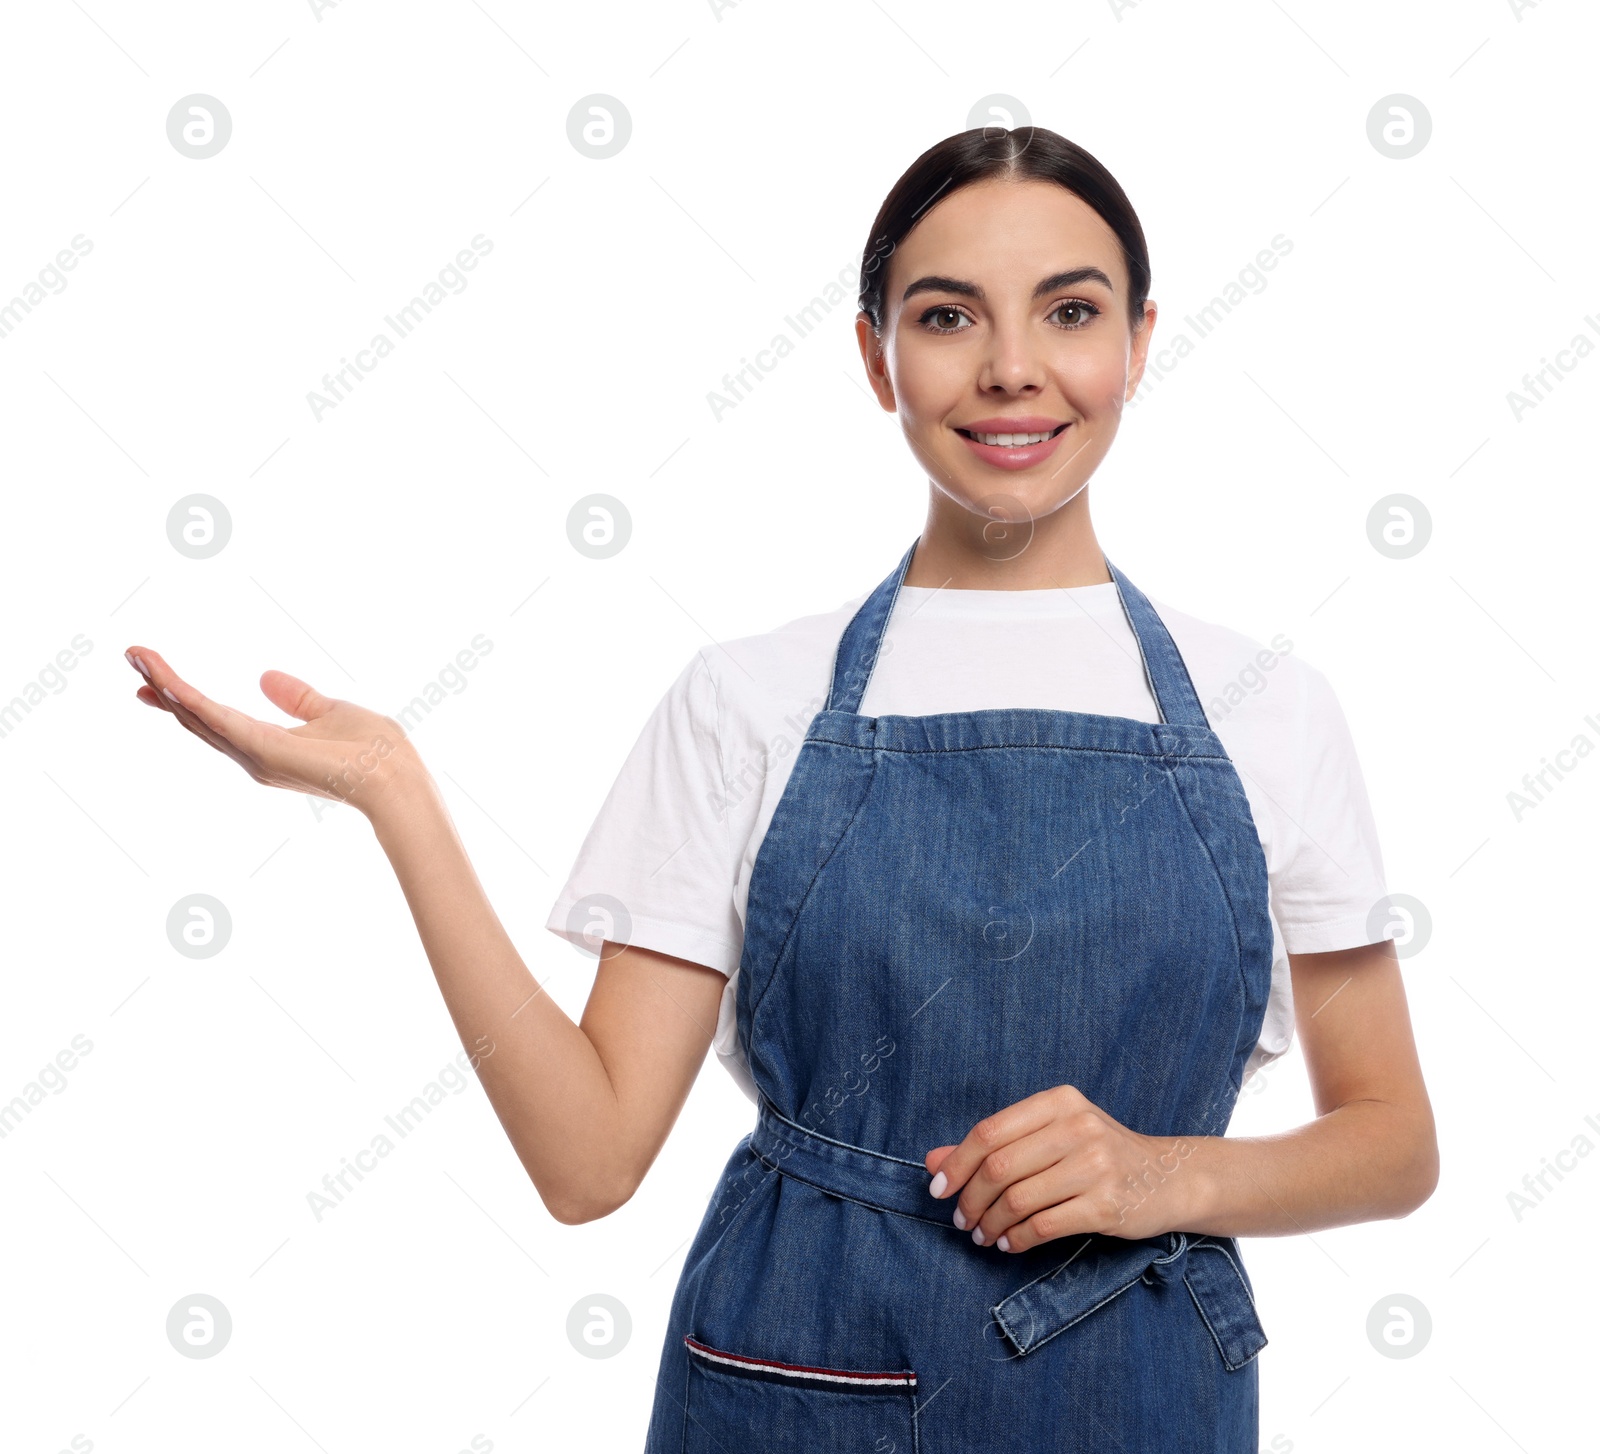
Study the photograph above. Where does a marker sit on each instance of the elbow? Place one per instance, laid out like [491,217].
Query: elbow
[572,1213]
[1428,1179]
[1423,1166]
[573,1206]
[575,1212]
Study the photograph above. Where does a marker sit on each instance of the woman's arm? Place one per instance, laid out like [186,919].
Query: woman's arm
[1371,1153]
[1055,1164]
[587,1106]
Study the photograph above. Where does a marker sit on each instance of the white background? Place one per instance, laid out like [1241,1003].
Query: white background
[369,146]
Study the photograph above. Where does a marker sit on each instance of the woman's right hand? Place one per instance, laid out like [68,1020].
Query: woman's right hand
[343,751]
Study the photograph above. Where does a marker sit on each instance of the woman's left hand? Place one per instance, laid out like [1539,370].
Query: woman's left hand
[1054,1165]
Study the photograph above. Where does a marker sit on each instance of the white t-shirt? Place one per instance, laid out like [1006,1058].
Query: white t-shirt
[678,833]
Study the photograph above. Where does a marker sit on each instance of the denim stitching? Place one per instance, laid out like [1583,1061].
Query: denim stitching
[1237,1272]
[1000,1317]
[777,1115]
[781,1372]
[800,908]
[688,1375]
[1183,1246]
[1158,756]
[845,1196]
[1138,640]
[1221,1351]
[1227,898]
[1231,1367]
[1054,1271]
[888,616]
[844,1145]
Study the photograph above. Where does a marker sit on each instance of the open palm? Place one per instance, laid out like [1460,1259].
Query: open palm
[342,751]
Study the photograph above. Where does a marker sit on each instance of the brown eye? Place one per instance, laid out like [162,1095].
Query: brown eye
[948,319]
[1085,311]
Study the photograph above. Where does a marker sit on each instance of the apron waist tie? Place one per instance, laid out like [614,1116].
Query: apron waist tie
[1096,1269]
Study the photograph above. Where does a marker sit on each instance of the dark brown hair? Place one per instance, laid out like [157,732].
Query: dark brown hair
[1027,153]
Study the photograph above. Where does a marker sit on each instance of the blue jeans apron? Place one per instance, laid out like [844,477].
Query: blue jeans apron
[949,913]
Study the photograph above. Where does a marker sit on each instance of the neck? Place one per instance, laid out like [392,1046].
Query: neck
[963,550]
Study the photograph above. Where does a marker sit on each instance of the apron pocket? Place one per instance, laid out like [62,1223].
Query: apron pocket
[740,1402]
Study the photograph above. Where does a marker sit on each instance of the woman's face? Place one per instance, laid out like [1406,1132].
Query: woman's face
[1005,312]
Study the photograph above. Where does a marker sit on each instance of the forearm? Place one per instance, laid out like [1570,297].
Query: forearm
[1363,1161]
[541,1072]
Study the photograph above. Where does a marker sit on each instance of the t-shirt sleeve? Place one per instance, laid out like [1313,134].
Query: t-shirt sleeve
[660,846]
[1332,878]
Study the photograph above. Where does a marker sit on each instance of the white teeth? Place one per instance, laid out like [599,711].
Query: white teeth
[1014,439]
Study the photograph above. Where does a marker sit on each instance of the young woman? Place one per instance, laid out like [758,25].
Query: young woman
[996,919]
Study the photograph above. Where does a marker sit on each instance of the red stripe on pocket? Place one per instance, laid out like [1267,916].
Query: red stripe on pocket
[800,1372]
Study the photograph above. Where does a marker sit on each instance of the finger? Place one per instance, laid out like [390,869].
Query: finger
[147,693]
[157,672]
[136,660]
[232,733]
[193,724]
[230,729]
[223,721]
[156,669]
[1015,1121]
[935,1157]
[297,698]
[1066,1217]
[152,697]
[1015,1181]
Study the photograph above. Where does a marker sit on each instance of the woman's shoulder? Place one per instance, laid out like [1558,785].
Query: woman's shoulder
[775,664]
[1233,670]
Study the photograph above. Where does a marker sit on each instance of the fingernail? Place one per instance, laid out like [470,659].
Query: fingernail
[139,662]
[171,695]
[1002,1244]
[937,1186]
[977,1235]
[959,1220]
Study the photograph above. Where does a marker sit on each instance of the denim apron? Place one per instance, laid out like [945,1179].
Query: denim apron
[949,913]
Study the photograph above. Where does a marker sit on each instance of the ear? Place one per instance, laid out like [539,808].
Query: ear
[1140,352]
[872,355]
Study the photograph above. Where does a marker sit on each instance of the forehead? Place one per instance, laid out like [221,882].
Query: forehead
[1006,234]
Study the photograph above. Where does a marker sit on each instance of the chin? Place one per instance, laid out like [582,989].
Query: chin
[1010,499]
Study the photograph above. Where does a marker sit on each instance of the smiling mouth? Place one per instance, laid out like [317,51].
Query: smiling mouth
[1013,440]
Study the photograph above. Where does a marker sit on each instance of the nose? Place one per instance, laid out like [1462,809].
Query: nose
[1012,362]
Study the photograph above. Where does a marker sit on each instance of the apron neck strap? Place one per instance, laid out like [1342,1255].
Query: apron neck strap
[1164,668]
[857,651]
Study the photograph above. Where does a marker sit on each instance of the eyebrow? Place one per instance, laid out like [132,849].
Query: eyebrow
[935,284]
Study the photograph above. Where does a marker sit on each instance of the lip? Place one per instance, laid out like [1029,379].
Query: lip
[1014,456]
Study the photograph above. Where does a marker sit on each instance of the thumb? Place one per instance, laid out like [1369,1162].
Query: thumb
[297,698]
[935,1158]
